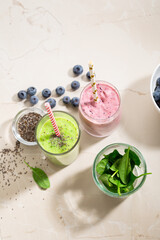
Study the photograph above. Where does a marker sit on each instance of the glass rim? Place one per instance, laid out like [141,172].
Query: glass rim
[77,141]
[101,120]
[16,119]
[103,188]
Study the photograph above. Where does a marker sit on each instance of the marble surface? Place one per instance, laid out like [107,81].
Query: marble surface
[40,42]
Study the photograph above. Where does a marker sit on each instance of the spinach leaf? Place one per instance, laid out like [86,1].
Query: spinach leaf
[116,182]
[100,167]
[127,189]
[133,156]
[113,156]
[132,177]
[124,167]
[115,165]
[105,179]
[40,177]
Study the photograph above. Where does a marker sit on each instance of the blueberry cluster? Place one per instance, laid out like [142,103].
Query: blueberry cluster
[60,90]
[156,93]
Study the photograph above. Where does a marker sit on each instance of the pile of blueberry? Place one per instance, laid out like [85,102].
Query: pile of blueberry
[46,93]
[156,93]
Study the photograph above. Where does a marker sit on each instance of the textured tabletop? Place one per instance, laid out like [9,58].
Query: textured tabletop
[40,42]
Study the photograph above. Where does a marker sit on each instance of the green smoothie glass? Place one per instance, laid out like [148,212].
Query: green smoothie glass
[61,150]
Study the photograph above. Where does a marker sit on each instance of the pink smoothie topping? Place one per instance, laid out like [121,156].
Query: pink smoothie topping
[108,102]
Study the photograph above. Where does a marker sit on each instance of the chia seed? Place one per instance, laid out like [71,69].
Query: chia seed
[27,125]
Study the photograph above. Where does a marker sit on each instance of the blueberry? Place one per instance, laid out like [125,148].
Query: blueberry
[158,81]
[60,90]
[31,91]
[157,88]
[77,69]
[88,75]
[75,101]
[156,95]
[46,93]
[66,99]
[75,85]
[34,100]
[22,94]
[52,102]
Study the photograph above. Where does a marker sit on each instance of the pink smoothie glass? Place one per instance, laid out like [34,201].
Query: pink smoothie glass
[101,118]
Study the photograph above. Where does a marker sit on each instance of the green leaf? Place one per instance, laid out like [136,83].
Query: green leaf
[40,177]
[100,167]
[105,179]
[113,156]
[127,189]
[132,177]
[115,165]
[124,167]
[133,156]
[116,182]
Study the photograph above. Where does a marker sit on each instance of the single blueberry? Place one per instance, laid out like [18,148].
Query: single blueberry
[60,90]
[66,99]
[52,102]
[75,85]
[46,93]
[75,101]
[22,94]
[88,75]
[34,100]
[158,81]
[77,69]
[156,95]
[31,91]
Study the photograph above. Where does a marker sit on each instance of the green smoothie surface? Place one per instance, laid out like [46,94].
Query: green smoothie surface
[53,144]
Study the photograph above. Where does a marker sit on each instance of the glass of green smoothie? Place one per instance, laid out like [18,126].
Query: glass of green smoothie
[61,150]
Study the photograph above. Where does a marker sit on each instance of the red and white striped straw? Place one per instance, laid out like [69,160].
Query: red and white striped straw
[53,121]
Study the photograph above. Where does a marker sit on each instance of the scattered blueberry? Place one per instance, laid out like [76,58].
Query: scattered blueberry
[75,85]
[88,75]
[46,93]
[52,102]
[156,95]
[60,90]
[75,101]
[77,69]
[66,99]
[22,94]
[158,81]
[34,100]
[31,91]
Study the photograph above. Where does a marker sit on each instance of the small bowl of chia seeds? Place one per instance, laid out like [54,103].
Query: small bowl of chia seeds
[24,125]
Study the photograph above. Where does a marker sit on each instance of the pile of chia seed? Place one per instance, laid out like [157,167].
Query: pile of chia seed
[27,125]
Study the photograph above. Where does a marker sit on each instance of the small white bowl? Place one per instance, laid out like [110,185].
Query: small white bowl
[155,75]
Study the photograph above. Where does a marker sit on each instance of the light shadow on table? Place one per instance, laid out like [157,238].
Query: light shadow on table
[16,177]
[140,119]
[83,203]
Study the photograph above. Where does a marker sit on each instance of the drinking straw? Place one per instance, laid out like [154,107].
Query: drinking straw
[93,81]
[53,121]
